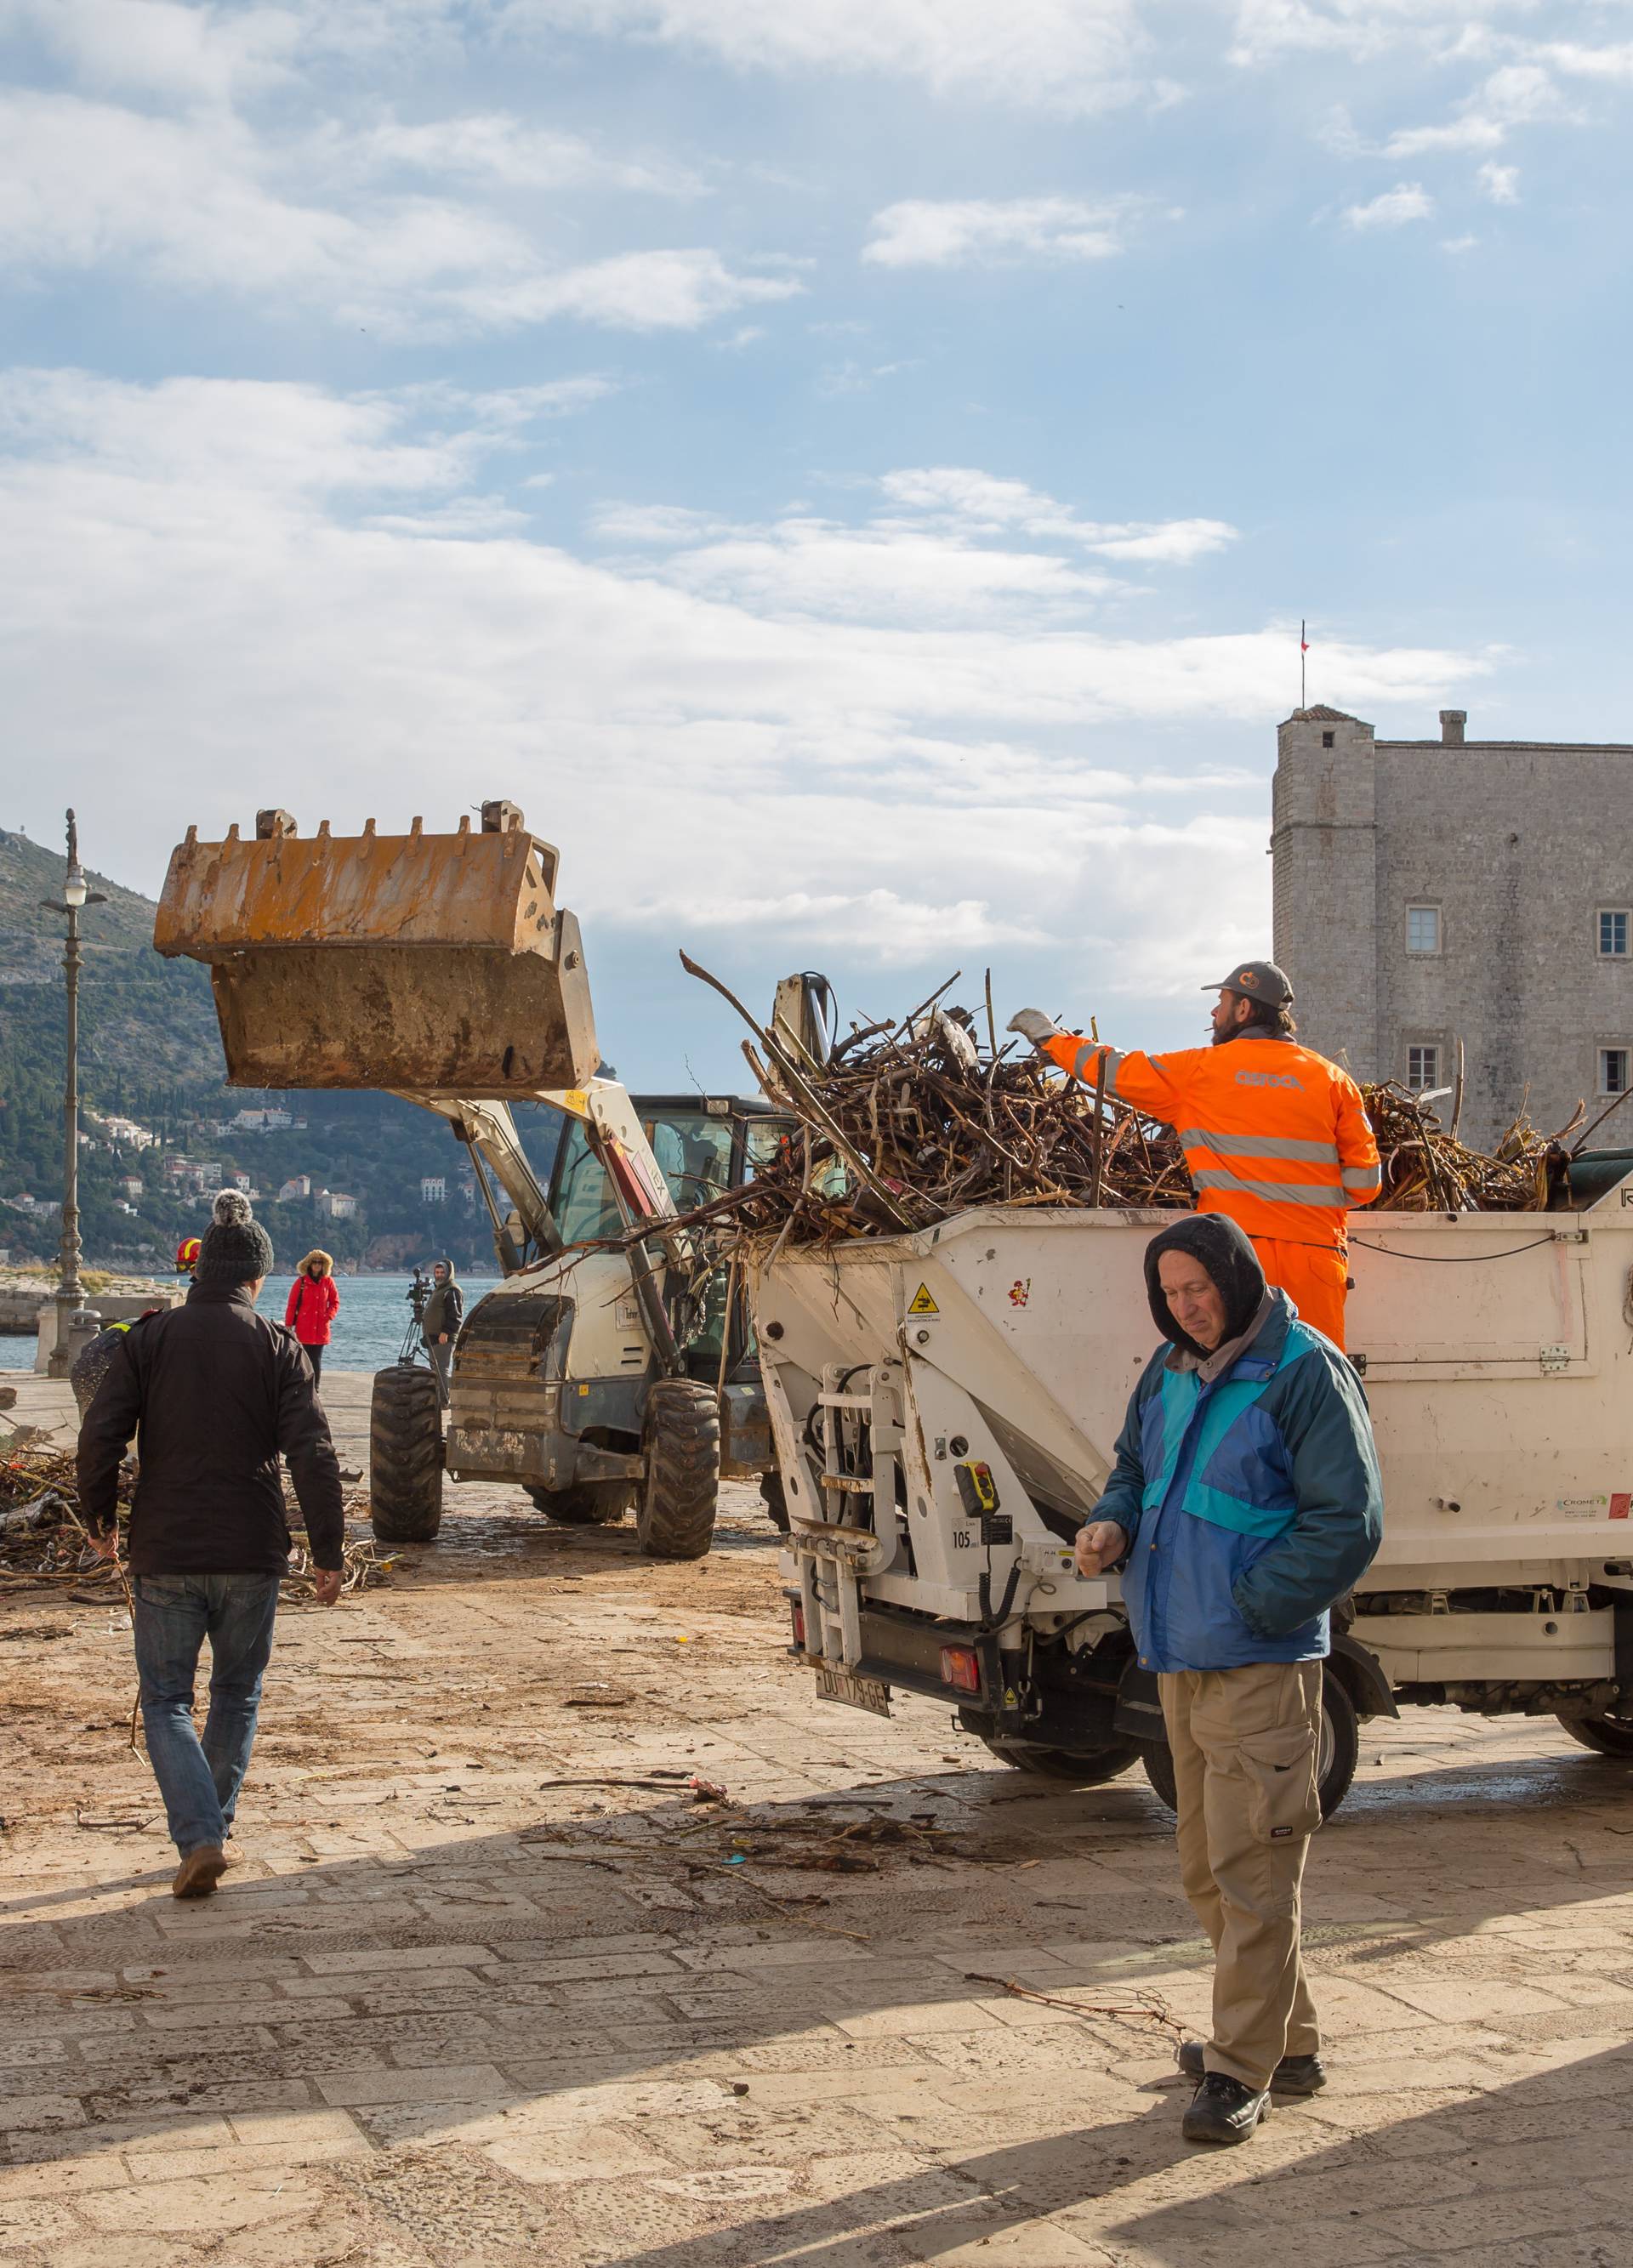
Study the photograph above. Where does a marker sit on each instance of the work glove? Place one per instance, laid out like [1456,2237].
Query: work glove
[1033,1025]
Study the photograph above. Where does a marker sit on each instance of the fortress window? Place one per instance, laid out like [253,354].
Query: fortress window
[1422,929]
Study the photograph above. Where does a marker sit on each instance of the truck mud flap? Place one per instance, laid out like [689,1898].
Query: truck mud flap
[1139,1707]
[1363,1677]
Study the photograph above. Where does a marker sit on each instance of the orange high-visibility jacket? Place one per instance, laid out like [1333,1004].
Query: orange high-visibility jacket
[1274,1134]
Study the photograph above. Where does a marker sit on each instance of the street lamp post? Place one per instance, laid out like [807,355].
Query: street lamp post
[70,1292]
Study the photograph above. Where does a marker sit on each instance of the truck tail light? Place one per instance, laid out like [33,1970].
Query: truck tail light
[961,1668]
[796,1610]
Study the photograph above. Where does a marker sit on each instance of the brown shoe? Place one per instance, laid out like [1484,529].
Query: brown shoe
[199,1872]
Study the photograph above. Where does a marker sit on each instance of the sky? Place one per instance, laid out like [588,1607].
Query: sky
[853,473]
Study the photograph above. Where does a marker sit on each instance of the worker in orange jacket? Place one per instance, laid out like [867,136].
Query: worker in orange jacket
[1274,1135]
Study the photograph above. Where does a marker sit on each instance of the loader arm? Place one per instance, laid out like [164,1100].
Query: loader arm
[488,1129]
[615,1134]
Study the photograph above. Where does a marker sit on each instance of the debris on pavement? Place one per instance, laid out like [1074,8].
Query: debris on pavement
[43,1543]
[1145,2007]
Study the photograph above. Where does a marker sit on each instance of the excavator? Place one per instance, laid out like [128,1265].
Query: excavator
[613,1363]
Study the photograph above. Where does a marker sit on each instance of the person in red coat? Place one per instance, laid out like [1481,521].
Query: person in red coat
[313,1302]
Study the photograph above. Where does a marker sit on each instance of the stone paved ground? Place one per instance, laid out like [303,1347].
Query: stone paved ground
[468,2001]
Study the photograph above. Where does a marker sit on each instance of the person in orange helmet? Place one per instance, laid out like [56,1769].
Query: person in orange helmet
[1274,1135]
[187,1255]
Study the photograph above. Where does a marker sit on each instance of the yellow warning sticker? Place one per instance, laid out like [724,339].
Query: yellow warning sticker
[921,1303]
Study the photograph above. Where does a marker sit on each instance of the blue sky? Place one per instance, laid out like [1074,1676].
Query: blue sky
[853,473]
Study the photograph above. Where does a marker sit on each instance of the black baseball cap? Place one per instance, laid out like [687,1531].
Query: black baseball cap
[1257,980]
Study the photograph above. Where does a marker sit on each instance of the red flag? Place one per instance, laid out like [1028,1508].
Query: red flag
[1303,642]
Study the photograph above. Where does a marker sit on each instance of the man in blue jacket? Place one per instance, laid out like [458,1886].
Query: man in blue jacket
[1244,1503]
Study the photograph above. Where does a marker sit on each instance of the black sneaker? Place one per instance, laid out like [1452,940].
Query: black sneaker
[1293,2075]
[1223,2110]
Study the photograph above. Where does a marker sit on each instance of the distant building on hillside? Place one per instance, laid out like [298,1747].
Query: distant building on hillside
[298,1185]
[263,1120]
[130,1185]
[334,1204]
[1438,896]
[433,1189]
[124,1132]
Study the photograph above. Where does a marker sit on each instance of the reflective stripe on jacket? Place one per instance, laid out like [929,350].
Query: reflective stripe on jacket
[1274,1134]
[1250,1504]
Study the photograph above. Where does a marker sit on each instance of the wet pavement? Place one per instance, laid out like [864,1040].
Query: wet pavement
[494,1984]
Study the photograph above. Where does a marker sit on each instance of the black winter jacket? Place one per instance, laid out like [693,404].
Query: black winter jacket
[214,1393]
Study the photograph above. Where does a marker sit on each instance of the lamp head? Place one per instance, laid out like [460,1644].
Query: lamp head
[74,885]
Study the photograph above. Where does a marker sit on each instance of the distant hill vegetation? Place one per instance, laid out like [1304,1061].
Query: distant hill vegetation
[151,1052]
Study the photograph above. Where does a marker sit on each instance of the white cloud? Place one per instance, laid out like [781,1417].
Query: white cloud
[981,503]
[955,232]
[1268,30]
[1471,132]
[1067,55]
[1458,243]
[630,291]
[494,147]
[219,51]
[162,46]
[1613,64]
[198,205]
[953,546]
[1500,183]
[229,582]
[1408,201]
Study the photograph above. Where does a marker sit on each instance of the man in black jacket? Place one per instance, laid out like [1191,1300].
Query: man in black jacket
[214,1394]
[445,1311]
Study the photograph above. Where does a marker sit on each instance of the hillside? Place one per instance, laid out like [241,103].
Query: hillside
[151,1053]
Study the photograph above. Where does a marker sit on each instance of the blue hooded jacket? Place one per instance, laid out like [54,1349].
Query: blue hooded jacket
[1251,1499]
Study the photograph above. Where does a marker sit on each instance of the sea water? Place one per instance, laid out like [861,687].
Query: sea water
[366,1334]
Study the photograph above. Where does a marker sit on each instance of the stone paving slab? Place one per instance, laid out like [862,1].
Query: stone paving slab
[448,2011]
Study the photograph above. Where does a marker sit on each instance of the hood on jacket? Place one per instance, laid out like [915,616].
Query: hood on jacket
[324,1261]
[1231,1261]
[448,1264]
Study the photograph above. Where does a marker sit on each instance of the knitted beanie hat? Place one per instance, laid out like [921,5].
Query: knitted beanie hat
[235,1248]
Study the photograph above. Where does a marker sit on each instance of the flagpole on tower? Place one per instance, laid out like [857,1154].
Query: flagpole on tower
[1303,648]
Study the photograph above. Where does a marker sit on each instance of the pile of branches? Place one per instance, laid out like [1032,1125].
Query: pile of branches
[903,1124]
[1427,1169]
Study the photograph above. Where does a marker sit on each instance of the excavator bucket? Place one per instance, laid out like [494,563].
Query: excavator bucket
[436,963]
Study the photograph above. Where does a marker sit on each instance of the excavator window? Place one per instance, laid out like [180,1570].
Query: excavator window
[581,1196]
[694,1147]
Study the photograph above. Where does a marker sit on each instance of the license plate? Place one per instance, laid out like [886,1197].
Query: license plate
[856,1692]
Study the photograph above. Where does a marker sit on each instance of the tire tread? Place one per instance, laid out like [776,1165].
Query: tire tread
[405,1455]
[681,1492]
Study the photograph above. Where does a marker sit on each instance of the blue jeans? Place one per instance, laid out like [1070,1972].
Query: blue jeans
[174,1614]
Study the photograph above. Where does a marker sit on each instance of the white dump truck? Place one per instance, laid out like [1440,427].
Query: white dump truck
[944,1406]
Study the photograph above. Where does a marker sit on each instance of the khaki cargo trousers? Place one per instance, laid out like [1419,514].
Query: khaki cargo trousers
[1244,1746]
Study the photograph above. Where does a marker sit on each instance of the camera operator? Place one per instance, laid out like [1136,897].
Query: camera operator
[444,1312]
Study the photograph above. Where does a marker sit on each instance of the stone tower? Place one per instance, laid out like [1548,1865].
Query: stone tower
[1324,850]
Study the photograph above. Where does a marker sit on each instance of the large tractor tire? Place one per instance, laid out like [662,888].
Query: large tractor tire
[1336,1758]
[674,1512]
[405,1455]
[594,1504]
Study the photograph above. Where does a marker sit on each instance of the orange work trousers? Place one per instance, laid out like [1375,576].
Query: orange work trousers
[1314,1276]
